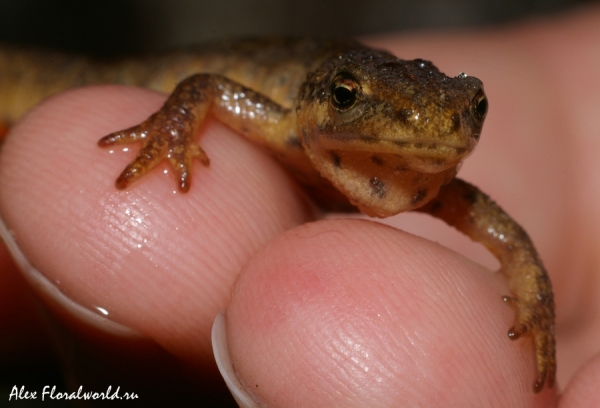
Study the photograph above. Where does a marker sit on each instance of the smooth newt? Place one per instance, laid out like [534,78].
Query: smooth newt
[357,127]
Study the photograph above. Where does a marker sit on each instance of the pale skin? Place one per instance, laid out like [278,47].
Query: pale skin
[428,324]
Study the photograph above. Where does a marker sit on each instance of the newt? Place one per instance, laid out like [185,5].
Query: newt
[359,128]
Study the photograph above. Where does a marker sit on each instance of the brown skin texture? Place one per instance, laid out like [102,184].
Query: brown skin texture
[378,288]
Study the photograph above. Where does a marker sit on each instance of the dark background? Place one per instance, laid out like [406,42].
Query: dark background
[117,27]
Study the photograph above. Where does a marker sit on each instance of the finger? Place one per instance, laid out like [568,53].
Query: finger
[584,388]
[353,313]
[155,261]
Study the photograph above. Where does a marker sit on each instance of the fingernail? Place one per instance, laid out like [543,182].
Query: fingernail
[221,352]
[46,288]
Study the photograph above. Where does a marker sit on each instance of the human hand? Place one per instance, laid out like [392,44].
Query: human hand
[338,312]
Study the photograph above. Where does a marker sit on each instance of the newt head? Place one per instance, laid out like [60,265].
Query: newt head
[386,132]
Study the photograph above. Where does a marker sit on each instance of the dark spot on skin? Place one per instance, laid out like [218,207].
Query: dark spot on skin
[403,115]
[244,130]
[470,196]
[401,168]
[378,187]
[377,160]
[284,78]
[400,144]
[294,142]
[460,150]
[432,146]
[419,196]
[336,159]
[418,145]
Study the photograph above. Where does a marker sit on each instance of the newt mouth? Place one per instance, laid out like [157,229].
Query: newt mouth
[423,156]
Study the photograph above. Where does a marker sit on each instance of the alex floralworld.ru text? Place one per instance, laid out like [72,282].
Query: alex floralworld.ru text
[50,393]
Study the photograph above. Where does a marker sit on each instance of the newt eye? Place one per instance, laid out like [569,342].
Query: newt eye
[344,92]
[480,105]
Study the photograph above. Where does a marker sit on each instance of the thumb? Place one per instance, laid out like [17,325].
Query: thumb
[354,313]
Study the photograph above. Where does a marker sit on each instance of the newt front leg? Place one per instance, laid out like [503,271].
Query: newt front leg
[466,208]
[170,133]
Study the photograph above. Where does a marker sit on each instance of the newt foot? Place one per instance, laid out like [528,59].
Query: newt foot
[161,140]
[535,320]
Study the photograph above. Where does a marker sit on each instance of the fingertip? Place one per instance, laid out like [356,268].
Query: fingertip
[159,263]
[343,310]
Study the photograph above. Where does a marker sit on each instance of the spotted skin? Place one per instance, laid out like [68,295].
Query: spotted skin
[359,128]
